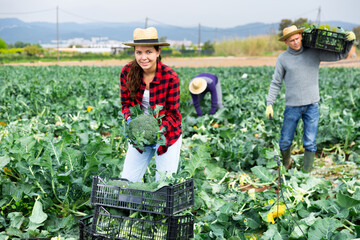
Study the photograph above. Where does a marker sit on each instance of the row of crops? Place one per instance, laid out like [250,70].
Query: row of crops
[59,126]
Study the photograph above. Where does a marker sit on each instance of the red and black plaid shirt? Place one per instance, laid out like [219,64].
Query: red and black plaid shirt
[165,91]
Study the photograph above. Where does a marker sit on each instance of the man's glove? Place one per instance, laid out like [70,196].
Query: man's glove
[128,120]
[350,36]
[269,112]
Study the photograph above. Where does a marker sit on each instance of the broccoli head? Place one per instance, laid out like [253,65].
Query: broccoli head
[144,127]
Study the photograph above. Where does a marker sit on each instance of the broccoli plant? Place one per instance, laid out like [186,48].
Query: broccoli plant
[144,129]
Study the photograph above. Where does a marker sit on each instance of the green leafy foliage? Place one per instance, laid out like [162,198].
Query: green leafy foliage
[153,186]
[59,126]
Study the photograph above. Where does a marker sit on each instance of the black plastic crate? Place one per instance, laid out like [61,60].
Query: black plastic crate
[85,229]
[168,200]
[103,225]
[325,40]
[35,238]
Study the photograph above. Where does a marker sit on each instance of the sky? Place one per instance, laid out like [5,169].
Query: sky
[185,13]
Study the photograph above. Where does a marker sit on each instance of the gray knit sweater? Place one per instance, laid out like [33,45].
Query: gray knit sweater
[300,72]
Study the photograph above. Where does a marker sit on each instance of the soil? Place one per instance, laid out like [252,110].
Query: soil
[196,62]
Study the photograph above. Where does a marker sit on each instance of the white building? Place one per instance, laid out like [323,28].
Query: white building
[101,45]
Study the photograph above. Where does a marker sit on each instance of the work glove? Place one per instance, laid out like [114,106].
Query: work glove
[269,112]
[127,123]
[151,146]
[350,36]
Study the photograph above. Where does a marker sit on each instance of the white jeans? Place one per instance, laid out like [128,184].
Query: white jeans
[136,163]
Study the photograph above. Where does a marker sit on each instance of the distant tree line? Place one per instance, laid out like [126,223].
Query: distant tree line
[356,30]
[28,48]
[18,44]
[301,22]
[2,44]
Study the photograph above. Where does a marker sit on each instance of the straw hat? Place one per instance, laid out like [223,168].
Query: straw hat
[197,85]
[289,31]
[146,37]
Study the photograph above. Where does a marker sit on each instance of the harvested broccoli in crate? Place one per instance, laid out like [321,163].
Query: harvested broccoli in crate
[105,225]
[167,197]
[326,38]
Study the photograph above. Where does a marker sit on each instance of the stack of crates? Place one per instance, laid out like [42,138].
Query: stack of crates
[111,202]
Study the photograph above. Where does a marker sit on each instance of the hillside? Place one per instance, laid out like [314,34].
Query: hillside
[13,29]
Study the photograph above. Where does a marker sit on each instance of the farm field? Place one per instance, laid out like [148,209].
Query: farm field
[61,125]
[195,62]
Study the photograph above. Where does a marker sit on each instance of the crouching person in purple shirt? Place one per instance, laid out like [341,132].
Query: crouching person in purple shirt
[200,85]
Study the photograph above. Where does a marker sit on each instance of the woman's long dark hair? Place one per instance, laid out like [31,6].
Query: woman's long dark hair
[135,75]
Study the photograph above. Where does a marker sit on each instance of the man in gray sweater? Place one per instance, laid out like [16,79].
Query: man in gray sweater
[298,67]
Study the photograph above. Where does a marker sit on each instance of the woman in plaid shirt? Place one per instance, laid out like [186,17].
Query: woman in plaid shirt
[148,82]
